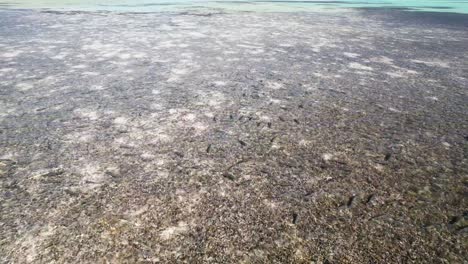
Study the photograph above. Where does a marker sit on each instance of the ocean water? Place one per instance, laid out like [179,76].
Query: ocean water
[456,6]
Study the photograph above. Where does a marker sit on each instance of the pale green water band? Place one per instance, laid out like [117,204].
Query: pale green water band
[458,6]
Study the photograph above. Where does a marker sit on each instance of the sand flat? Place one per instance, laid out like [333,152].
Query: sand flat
[233,137]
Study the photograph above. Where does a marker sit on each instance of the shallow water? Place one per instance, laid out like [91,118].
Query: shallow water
[458,6]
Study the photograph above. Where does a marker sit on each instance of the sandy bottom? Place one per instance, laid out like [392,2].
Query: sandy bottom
[233,138]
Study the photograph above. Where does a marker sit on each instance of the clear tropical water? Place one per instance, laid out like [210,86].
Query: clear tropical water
[458,6]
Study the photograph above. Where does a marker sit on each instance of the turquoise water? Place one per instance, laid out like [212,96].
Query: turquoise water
[458,6]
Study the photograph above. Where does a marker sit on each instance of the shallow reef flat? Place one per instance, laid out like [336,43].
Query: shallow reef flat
[233,137]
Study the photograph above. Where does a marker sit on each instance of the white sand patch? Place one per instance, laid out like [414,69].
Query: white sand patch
[134,55]
[189,117]
[139,55]
[256,51]
[147,156]
[165,27]
[275,101]
[265,118]
[80,66]
[121,120]
[60,56]
[165,44]
[174,111]
[157,107]
[56,26]
[86,113]
[358,66]
[177,73]
[11,54]
[97,87]
[320,75]
[97,45]
[199,127]
[122,141]
[395,74]
[195,34]
[180,71]
[173,231]
[88,73]
[327,156]
[383,59]
[24,86]
[7,70]
[404,71]
[229,52]
[110,54]
[141,210]
[275,145]
[270,204]
[31,242]
[84,137]
[160,137]
[219,83]
[213,99]
[49,80]
[248,46]
[93,175]
[209,114]
[124,56]
[80,136]
[433,63]
[351,55]
[273,85]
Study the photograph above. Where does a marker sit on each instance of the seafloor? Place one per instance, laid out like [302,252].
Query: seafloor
[233,138]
